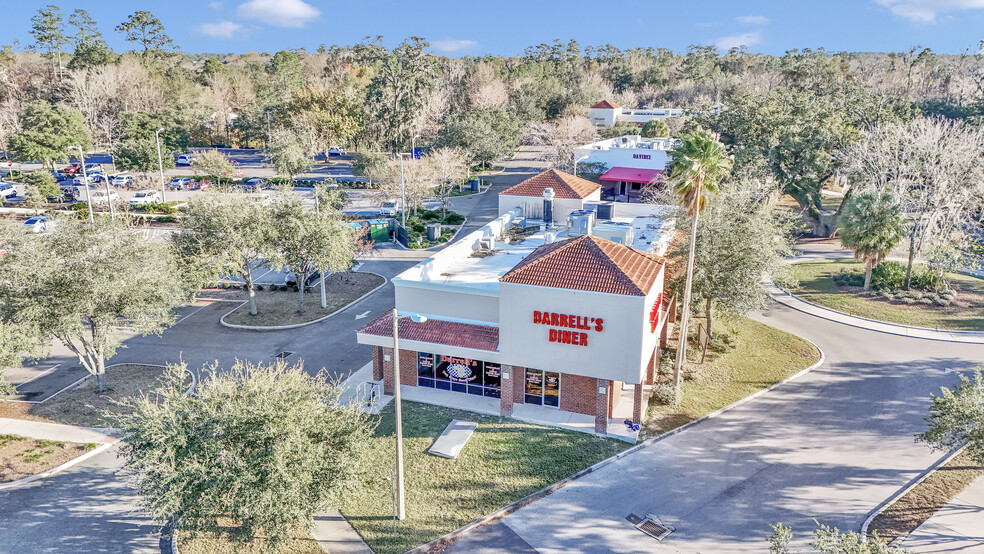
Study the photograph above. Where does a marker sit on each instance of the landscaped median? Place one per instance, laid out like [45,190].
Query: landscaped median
[277,306]
[22,457]
[827,283]
[504,461]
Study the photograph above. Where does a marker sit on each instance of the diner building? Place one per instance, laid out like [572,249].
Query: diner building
[607,114]
[632,162]
[557,319]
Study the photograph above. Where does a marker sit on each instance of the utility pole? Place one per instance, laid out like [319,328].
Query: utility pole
[85,183]
[403,195]
[400,504]
[160,164]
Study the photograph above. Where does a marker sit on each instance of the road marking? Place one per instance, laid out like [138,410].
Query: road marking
[42,374]
[363,314]
[191,314]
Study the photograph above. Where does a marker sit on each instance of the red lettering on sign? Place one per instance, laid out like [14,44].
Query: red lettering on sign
[571,321]
[575,337]
[553,335]
[563,320]
[553,320]
[584,339]
[599,324]
[536,316]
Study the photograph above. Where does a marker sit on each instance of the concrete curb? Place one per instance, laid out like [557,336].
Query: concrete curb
[438,544]
[45,474]
[297,325]
[888,502]
[972,337]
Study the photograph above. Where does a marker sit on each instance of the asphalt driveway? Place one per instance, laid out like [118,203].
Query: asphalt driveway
[830,445]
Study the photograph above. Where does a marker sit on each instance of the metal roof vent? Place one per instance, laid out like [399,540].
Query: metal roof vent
[652,526]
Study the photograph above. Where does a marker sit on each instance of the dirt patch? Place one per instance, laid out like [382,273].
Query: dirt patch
[278,307]
[22,456]
[919,504]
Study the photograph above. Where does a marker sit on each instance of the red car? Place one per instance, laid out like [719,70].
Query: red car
[199,185]
[73,169]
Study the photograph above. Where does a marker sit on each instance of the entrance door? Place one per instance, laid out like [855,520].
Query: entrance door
[542,388]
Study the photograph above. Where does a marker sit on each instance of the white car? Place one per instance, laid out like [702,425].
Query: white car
[336,151]
[86,180]
[121,180]
[181,183]
[102,197]
[7,190]
[145,197]
[185,159]
[388,208]
[39,224]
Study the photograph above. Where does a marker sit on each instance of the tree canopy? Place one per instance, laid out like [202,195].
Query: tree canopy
[870,225]
[48,131]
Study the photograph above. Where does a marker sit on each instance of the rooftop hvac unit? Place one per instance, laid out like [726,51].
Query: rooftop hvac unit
[486,244]
[621,233]
[580,223]
[548,238]
[606,210]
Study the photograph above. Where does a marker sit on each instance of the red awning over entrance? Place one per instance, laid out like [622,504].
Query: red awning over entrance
[630,174]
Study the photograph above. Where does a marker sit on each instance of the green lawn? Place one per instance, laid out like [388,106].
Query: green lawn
[504,461]
[760,356]
[816,285]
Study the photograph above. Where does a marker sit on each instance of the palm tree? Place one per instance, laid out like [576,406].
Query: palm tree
[699,163]
[871,225]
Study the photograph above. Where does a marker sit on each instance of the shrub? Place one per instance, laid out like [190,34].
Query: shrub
[924,300]
[665,393]
[454,218]
[914,294]
[283,288]
[418,227]
[849,279]
[908,300]
[886,294]
[928,280]
[259,287]
[942,302]
[167,219]
[888,275]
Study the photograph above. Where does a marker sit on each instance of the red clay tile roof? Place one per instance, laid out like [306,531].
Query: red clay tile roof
[435,331]
[588,263]
[564,185]
[605,105]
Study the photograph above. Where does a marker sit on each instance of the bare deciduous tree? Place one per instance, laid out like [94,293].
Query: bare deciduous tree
[559,137]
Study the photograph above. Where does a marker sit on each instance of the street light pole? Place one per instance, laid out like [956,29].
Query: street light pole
[85,183]
[268,129]
[577,160]
[413,146]
[403,195]
[400,505]
[160,164]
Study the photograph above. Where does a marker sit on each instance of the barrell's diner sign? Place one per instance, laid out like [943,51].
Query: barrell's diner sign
[570,321]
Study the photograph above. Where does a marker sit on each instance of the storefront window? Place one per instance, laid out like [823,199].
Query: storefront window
[542,388]
[459,374]
[425,370]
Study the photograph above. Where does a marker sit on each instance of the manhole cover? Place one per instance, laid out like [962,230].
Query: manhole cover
[654,529]
[284,355]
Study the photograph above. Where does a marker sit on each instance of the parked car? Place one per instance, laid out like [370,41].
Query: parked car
[200,185]
[180,183]
[388,207]
[121,180]
[39,224]
[72,169]
[185,159]
[254,185]
[336,151]
[87,179]
[93,168]
[7,190]
[145,197]
[103,198]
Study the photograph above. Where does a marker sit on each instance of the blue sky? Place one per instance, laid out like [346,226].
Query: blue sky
[508,26]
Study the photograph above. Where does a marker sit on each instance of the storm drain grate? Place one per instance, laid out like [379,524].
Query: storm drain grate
[654,529]
[284,355]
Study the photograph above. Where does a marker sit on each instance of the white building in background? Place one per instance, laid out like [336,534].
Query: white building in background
[632,161]
[607,114]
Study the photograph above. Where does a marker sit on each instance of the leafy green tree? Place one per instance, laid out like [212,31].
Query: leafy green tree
[91,49]
[144,29]
[399,90]
[267,446]
[227,233]
[699,164]
[655,128]
[47,132]
[213,162]
[43,181]
[956,417]
[138,149]
[17,341]
[621,129]
[48,30]
[871,225]
[87,284]
[740,237]
[287,72]
[827,540]
[305,242]
[287,154]
[325,117]
[485,134]
[371,165]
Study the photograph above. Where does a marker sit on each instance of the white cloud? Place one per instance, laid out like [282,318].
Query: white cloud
[753,19]
[279,13]
[453,45]
[925,11]
[215,5]
[733,41]
[219,29]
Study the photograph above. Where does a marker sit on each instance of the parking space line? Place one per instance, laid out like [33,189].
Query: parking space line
[192,313]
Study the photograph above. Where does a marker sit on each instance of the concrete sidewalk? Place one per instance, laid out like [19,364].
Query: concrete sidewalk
[54,431]
[797,303]
[958,526]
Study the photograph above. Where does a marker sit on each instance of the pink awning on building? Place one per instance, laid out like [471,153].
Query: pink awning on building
[630,174]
